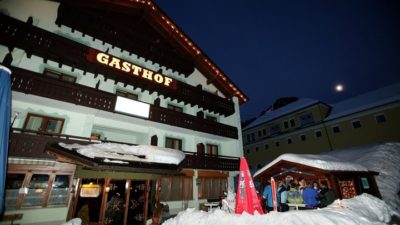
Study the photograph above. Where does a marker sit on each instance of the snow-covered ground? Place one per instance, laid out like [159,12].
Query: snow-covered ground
[361,210]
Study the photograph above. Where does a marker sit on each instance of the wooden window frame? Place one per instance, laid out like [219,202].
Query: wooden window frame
[173,141]
[210,175]
[211,154]
[126,94]
[181,183]
[45,120]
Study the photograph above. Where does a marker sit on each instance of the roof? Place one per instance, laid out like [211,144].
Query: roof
[365,101]
[163,24]
[289,108]
[323,162]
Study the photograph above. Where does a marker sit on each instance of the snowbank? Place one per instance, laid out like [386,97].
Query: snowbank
[364,209]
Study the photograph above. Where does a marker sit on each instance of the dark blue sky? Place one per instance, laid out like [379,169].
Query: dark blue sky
[280,48]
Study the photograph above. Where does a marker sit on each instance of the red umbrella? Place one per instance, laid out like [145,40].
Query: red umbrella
[246,196]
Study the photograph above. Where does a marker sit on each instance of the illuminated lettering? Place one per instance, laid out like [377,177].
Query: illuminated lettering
[147,74]
[115,63]
[136,70]
[158,78]
[126,67]
[102,58]
[167,81]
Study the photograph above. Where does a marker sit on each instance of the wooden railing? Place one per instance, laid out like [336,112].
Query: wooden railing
[37,84]
[26,143]
[50,46]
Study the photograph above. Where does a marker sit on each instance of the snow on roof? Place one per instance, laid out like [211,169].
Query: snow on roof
[271,115]
[325,162]
[123,154]
[365,101]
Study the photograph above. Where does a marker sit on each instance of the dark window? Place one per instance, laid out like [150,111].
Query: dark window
[253,137]
[127,95]
[292,123]
[175,108]
[335,129]
[259,133]
[212,118]
[303,137]
[266,146]
[173,143]
[356,124]
[289,141]
[44,123]
[59,75]
[286,124]
[277,144]
[256,149]
[318,133]
[306,119]
[212,150]
[248,138]
[381,118]
[247,151]
[264,132]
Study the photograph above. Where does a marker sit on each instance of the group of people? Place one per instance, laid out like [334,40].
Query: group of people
[298,191]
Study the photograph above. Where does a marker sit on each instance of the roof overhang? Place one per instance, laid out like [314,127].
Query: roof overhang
[72,156]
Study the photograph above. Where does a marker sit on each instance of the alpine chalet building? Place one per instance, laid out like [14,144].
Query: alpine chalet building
[121,72]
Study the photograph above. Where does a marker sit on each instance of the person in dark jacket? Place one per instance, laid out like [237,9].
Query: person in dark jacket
[326,196]
[310,196]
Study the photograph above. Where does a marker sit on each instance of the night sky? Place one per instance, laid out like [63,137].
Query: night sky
[281,48]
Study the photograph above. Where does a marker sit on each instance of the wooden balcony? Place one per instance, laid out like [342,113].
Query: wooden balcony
[50,46]
[37,84]
[25,143]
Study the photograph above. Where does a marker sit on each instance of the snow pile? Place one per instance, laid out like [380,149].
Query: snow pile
[122,154]
[382,158]
[364,209]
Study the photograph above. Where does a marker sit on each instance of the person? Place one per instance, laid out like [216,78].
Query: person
[294,195]
[283,193]
[326,196]
[267,195]
[310,196]
[302,184]
[316,186]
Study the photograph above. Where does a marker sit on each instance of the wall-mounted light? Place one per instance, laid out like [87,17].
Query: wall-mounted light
[107,188]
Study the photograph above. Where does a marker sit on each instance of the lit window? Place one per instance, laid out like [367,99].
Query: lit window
[336,129]
[173,143]
[356,124]
[381,118]
[43,123]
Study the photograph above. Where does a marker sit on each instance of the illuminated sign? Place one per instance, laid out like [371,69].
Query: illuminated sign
[130,68]
[132,107]
[90,190]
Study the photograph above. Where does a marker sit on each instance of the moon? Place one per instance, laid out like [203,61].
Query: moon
[339,88]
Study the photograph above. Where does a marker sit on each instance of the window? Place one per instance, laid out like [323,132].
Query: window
[318,133]
[306,119]
[248,138]
[175,108]
[247,151]
[212,118]
[253,137]
[43,123]
[356,124]
[266,146]
[256,149]
[13,183]
[292,123]
[59,75]
[176,188]
[274,129]
[303,137]
[259,133]
[212,150]
[277,144]
[380,118]
[127,95]
[59,190]
[264,132]
[173,143]
[286,124]
[289,141]
[336,129]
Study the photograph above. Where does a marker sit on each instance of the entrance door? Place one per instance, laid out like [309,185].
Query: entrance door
[137,203]
[115,206]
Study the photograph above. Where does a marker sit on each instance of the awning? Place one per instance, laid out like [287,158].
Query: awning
[90,165]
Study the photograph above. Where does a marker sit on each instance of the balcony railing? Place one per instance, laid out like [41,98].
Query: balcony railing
[37,84]
[50,46]
[26,143]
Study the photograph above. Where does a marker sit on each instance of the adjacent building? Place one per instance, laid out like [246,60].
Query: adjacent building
[112,71]
[311,126]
